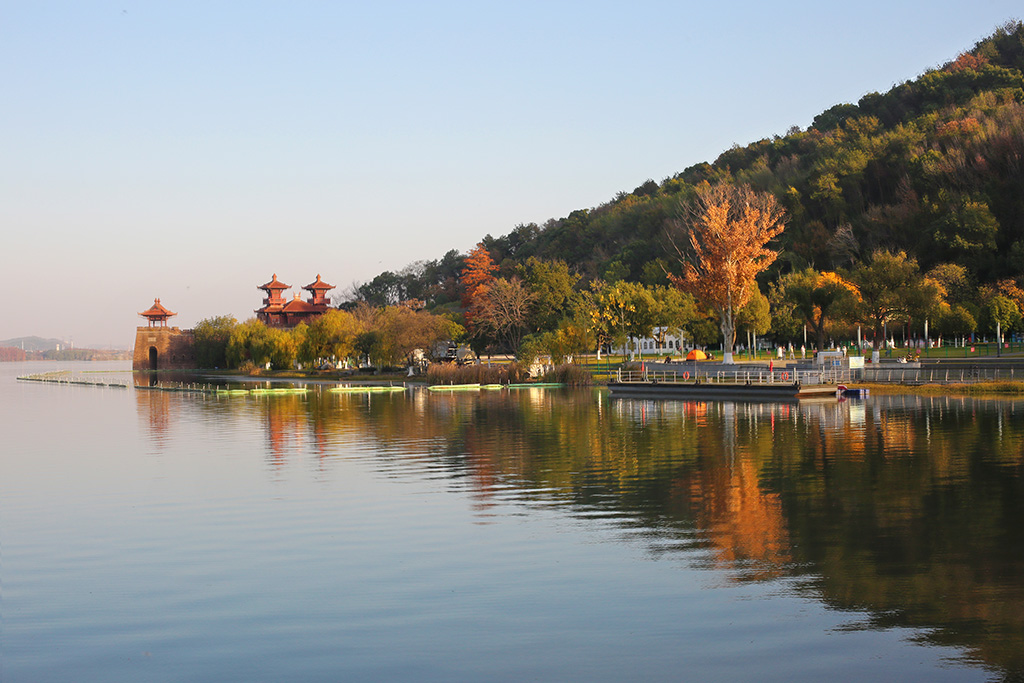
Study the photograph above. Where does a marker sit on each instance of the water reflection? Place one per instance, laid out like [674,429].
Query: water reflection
[905,509]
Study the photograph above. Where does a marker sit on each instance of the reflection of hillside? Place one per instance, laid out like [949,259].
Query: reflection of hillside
[916,528]
[906,508]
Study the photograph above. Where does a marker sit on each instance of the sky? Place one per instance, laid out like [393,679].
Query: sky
[189,150]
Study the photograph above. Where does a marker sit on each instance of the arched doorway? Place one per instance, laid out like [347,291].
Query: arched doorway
[152,357]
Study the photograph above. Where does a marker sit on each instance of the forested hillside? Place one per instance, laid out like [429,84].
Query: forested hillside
[932,167]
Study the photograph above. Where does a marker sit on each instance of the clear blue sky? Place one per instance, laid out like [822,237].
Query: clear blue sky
[188,150]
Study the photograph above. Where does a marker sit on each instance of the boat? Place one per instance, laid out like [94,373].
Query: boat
[725,391]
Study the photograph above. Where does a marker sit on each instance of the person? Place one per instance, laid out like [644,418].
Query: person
[803,351]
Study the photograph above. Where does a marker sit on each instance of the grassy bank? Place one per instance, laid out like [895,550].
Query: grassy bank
[980,389]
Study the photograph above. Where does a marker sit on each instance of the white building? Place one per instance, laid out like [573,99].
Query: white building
[650,346]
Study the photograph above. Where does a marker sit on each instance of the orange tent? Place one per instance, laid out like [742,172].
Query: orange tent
[696,354]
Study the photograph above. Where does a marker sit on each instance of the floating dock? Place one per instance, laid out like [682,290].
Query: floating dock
[365,389]
[725,391]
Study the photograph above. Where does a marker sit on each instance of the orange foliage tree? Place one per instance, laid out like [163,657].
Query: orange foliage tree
[721,242]
[478,271]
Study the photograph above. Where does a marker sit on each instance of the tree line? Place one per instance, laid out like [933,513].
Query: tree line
[901,211]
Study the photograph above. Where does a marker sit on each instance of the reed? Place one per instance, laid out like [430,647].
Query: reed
[507,373]
[570,375]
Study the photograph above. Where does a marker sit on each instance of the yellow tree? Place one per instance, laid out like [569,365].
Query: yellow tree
[721,242]
[331,336]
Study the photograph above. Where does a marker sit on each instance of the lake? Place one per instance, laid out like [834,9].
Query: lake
[511,535]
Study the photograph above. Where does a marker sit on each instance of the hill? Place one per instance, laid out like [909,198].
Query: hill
[934,166]
[34,343]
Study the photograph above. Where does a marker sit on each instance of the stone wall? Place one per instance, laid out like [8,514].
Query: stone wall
[171,348]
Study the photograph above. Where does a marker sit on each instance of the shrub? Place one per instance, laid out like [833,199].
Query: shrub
[249,368]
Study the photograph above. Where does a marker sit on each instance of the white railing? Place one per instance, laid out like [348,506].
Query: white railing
[937,375]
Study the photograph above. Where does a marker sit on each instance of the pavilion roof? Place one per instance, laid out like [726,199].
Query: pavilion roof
[318,285]
[274,284]
[157,312]
[297,305]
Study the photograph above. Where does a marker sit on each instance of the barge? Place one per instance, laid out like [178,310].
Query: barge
[725,391]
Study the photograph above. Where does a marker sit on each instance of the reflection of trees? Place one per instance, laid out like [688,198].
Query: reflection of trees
[904,507]
[917,526]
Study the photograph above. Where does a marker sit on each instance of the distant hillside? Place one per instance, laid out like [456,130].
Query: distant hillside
[934,166]
[34,343]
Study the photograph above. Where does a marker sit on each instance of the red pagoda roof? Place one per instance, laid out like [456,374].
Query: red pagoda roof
[157,312]
[297,305]
[274,284]
[318,285]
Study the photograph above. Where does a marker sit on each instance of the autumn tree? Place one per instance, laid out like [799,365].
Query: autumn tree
[721,243]
[11,354]
[331,336]
[400,331]
[819,298]
[477,271]
[501,309]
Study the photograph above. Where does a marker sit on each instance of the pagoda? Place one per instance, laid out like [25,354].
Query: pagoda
[272,314]
[280,312]
[157,315]
[318,290]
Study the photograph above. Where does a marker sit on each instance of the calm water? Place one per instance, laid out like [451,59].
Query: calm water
[506,536]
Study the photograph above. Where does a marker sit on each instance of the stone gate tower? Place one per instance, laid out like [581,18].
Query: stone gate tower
[158,347]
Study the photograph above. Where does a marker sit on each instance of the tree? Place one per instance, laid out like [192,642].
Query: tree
[477,271]
[402,330]
[720,241]
[553,288]
[501,308]
[755,317]
[703,331]
[818,298]
[891,288]
[955,280]
[211,337]
[249,342]
[956,321]
[673,311]
[331,336]
[1001,314]
[622,310]
[282,346]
